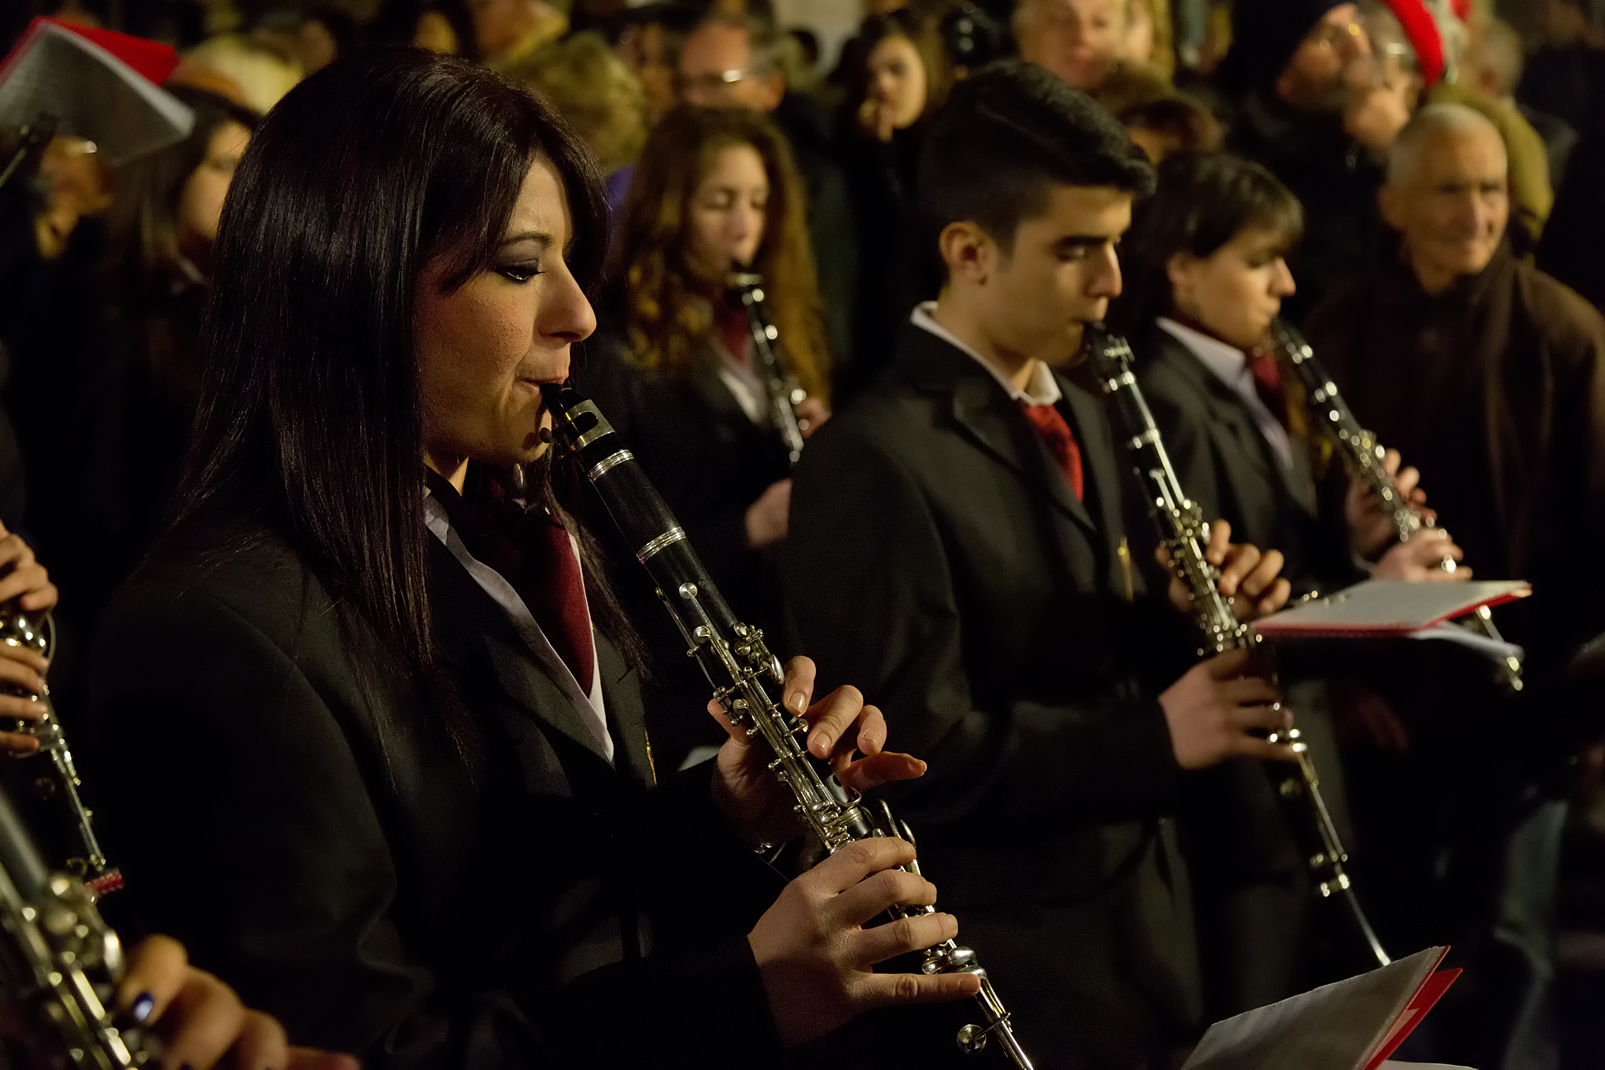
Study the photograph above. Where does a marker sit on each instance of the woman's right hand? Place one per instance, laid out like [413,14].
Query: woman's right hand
[767,518]
[817,957]
[201,1022]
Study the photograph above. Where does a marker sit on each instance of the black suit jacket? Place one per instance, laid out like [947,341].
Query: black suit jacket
[1248,875]
[939,560]
[1225,465]
[490,895]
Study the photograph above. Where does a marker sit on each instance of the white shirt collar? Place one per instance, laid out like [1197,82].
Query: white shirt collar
[1041,389]
[1230,365]
[587,700]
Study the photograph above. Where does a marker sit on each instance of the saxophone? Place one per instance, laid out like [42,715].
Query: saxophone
[36,632]
[59,960]
[1185,535]
[779,386]
[746,679]
[1362,456]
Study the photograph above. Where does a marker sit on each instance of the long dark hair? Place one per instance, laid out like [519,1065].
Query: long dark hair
[380,163]
[1201,203]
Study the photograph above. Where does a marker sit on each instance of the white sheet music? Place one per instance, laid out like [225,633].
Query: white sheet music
[1334,1027]
[1387,607]
[93,94]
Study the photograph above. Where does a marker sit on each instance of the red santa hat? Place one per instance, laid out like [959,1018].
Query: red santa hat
[1422,31]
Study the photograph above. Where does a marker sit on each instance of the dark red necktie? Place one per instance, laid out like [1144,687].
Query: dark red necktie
[1267,375]
[554,590]
[1056,435]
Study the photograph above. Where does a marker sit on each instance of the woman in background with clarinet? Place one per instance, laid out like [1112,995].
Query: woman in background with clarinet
[1207,275]
[716,203]
[405,723]
[716,195]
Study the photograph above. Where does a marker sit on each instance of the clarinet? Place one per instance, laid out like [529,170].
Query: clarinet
[746,679]
[782,390]
[1184,534]
[36,632]
[1362,456]
[59,960]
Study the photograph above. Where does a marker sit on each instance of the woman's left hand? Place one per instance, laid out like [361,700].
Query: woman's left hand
[201,1022]
[1371,528]
[840,726]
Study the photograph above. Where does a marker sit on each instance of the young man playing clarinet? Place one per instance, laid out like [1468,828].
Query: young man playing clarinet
[971,502]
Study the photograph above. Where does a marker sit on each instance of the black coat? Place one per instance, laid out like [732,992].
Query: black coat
[1225,465]
[299,815]
[939,560]
[1249,880]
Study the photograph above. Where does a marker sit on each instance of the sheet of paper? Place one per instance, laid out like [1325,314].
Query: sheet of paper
[1388,607]
[1449,631]
[1335,1027]
[92,94]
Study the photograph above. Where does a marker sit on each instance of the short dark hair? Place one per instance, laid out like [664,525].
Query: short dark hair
[1201,203]
[1007,135]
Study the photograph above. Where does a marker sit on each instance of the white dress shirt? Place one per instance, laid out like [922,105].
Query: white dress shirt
[586,700]
[1041,389]
[1230,365]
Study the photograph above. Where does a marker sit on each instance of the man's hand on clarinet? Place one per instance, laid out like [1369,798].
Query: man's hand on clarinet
[1251,579]
[841,726]
[1217,710]
[816,949]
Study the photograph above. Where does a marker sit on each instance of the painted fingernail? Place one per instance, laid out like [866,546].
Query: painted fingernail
[144,1003]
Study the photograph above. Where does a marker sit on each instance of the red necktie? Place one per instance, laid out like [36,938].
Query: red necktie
[1267,375]
[554,590]
[1060,442]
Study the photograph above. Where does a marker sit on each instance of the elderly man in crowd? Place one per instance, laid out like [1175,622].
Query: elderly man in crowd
[1490,376]
[1321,88]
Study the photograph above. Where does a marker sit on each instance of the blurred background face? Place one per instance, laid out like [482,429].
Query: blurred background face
[1452,207]
[725,220]
[200,204]
[1331,55]
[435,33]
[1235,292]
[1081,41]
[897,80]
[716,71]
[499,24]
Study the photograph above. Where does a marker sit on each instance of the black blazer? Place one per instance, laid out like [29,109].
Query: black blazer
[940,561]
[1227,467]
[304,820]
